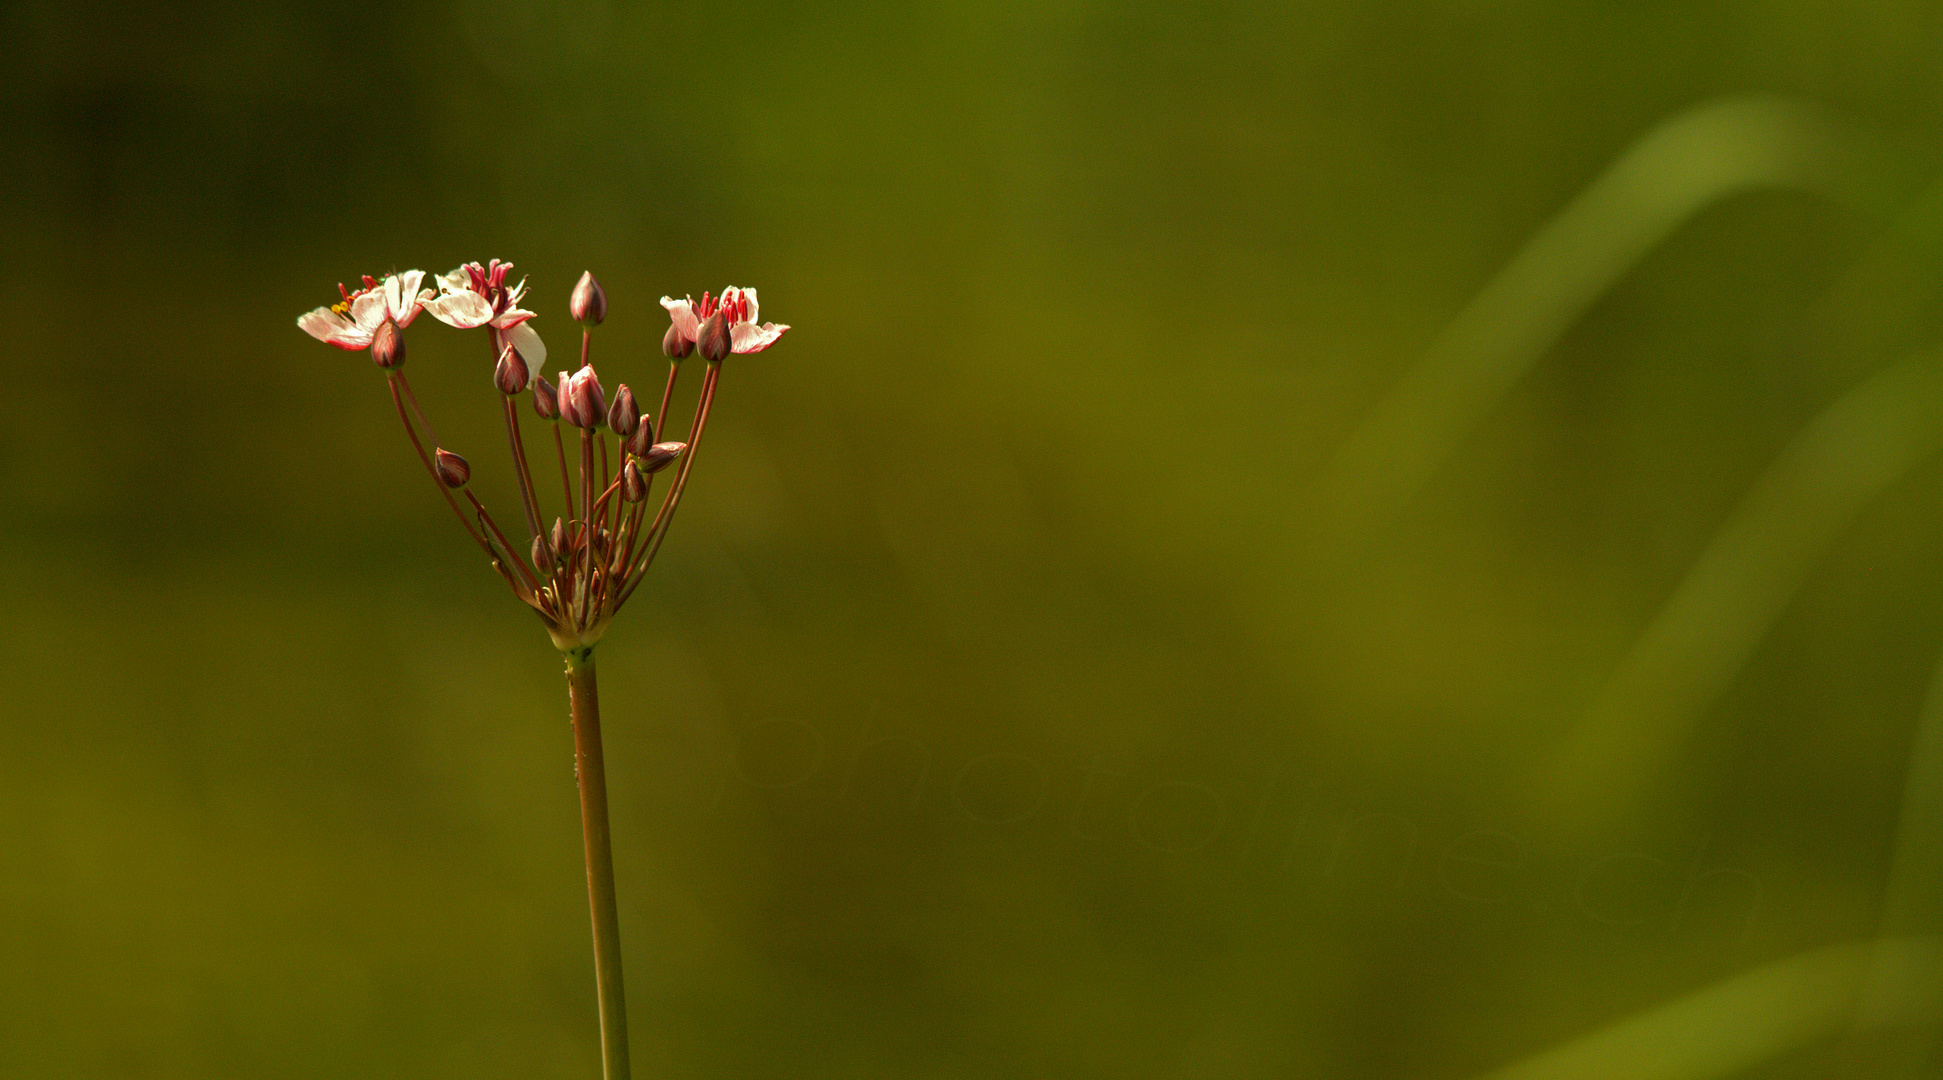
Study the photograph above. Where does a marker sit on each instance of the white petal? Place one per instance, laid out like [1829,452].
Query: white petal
[401,296]
[456,281]
[682,312]
[531,349]
[512,317]
[368,311]
[333,328]
[750,338]
[750,296]
[464,310]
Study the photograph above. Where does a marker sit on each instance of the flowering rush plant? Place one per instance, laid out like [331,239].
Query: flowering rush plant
[577,573]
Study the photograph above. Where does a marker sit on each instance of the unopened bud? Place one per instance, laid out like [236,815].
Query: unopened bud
[634,483]
[581,402]
[624,416]
[588,304]
[542,554]
[546,400]
[643,437]
[510,373]
[713,340]
[660,455]
[558,537]
[452,468]
[388,346]
[675,345]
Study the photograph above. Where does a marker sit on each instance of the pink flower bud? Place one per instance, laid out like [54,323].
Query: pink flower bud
[388,346]
[452,468]
[558,537]
[542,554]
[713,340]
[588,304]
[676,344]
[582,403]
[624,416]
[661,455]
[546,400]
[634,485]
[510,373]
[643,437]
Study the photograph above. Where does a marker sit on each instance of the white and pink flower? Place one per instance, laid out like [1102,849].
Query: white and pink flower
[475,295]
[352,322]
[738,307]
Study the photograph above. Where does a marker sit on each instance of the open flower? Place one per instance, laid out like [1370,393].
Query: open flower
[738,306]
[352,322]
[475,295]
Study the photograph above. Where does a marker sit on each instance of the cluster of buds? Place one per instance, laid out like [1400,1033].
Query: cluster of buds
[576,573]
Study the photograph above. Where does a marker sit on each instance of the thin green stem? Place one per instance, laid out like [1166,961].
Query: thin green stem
[591,769]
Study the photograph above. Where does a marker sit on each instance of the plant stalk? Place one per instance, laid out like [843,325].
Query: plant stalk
[592,773]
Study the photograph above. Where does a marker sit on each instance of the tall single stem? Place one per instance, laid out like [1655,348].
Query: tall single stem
[592,771]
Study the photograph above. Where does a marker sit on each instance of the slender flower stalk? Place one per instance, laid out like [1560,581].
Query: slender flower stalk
[576,575]
[590,768]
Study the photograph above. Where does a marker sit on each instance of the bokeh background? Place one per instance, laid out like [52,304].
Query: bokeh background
[1056,670]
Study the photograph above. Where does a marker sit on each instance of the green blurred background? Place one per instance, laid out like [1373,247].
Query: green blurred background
[1016,696]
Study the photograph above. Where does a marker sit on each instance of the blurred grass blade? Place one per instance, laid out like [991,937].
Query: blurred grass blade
[1688,162]
[1912,903]
[1756,1016]
[1719,613]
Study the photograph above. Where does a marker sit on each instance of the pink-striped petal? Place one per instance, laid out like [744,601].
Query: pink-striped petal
[464,310]
[750,338]
[333,328]
[368,311]
[512,317]
[682,313]
[401,296]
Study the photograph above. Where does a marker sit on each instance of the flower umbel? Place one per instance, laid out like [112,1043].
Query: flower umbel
[595,560]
